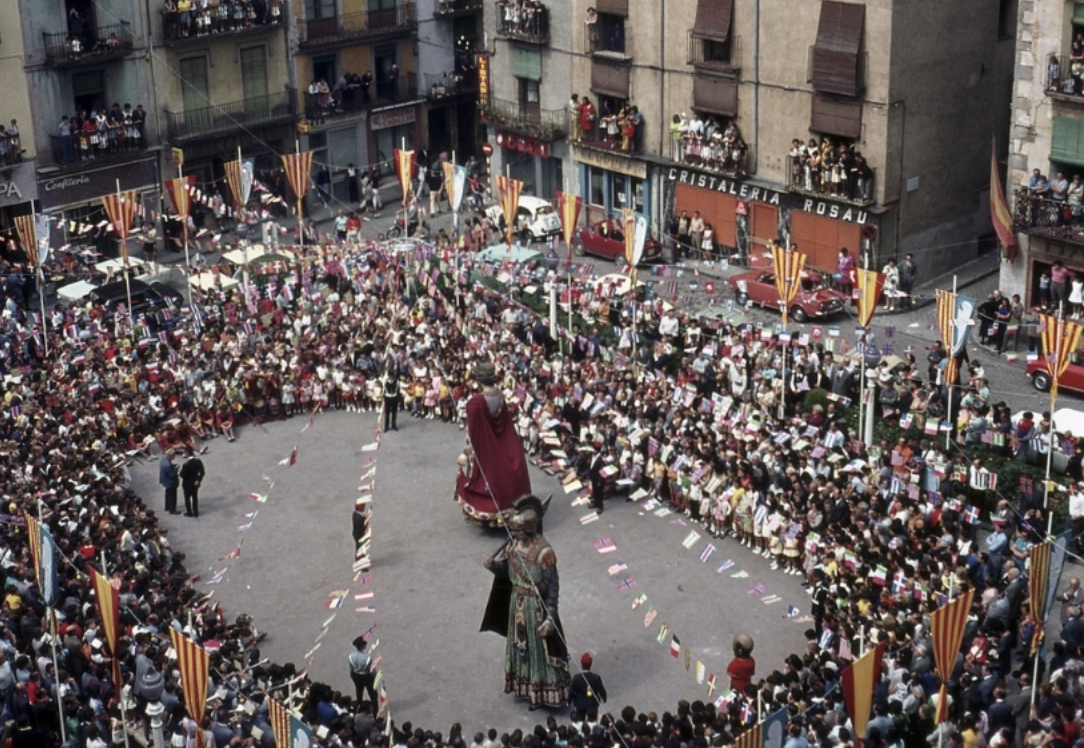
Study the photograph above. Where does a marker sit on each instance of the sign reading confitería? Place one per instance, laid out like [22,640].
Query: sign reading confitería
[65,189]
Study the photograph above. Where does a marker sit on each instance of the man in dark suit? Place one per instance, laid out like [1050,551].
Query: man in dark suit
[587,691]
[168,479]
[192,472]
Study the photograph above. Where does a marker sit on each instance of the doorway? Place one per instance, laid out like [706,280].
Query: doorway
[88,91]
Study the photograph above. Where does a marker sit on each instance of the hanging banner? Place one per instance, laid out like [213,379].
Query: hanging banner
[870,285]
[788,266]
[179,190]
[1061,338]
[43,555]
[404,168]
[508,190]
[954,314]
[297,167]
[568,209]
[239,176]
[947,626]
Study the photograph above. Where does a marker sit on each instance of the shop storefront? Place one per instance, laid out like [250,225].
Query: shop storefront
[746,215]
[1041,254]
[18,191]
[530,160]
[75,199]
[611,182]
[391,128]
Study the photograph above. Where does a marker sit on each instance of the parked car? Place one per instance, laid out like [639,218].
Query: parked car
[534,216]
[145,298]
[814,299]
[607,239]
[1072,379]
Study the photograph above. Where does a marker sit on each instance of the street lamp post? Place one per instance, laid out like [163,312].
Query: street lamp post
[152,685]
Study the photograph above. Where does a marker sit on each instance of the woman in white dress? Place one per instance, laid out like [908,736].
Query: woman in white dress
[1076,296]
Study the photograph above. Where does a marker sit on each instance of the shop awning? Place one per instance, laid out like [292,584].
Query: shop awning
[835,54]
[1067,141]
[840,117]
[713,19]
[617,7]
[715,95]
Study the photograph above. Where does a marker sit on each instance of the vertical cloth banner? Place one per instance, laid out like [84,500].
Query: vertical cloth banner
[404,169]
[109,611]
[508,190]
[28,237]
[121,209]
[954,314]
[195,667]
[788,266]
[999,208]
[771,732]
[179,194]
[947,633]
[1038,578]
[859,681]
[239,176]
[568,208]
[43,553]
[290,732]
[1061,338]
[297,167]
[870,285]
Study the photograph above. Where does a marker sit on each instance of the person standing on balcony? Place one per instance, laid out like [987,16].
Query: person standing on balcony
[1059,188]
[863,177]
[574,116]
[587,119]
[591,23]
[64,132]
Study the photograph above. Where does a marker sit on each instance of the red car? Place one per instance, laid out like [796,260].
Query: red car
[607,239]
[1072,379]
[815,299]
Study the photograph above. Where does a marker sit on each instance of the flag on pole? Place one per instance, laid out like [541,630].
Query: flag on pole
[859,681]
[297,167]
[788,266]
[999,208]
[947,632]
[404,169]
[568,209]
[43,555]
[178,191]
[121,209]
[954,313]
[508,190]
[194,664]
[1061,338]
[1038,578]
[280,722]
[772,731]
[870,286]
[239,177]
[29,238]
[109,611]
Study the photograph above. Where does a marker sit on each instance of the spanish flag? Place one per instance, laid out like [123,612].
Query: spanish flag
[999,209]
[947,634]
[859,681]
[109,611]
[194,664]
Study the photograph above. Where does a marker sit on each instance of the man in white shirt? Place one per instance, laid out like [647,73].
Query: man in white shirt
[668,325]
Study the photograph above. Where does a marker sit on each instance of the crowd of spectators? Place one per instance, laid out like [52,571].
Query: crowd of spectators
[615,124]
[830,168]
[84,136]
[685,410]
[707,144]
[527,18]
[190,18]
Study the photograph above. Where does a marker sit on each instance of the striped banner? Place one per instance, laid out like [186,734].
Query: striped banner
[870,285]
[109,611]
[1038,578]
[859,681]
[788,266]
[194,664]
[947,633]
[568,209]
[43,555]
[28,236]
[508,190]
[178,191]
[280,722]
[121,209]
[999,208]
[946,311]
[297,167]
[404,168]
[1061,338]
[771,732]
[233,177]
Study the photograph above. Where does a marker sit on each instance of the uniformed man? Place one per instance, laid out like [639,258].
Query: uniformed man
[587,691]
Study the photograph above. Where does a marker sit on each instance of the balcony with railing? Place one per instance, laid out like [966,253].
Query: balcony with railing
[1052,219]
[531,121]
[359,97]
[220,119]
[524,21]
[1061,83]
[718,149]
[350,28]
[450,8]
[448,86]
[84,150]
[90,46]
[710,54]
[607,39]
[845,182]
[199,27]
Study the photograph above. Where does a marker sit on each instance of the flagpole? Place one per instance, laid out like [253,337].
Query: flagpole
[124,255]
[300,202]
[52,609]
[119,686]
[36,249]
[184,227]
[949,385]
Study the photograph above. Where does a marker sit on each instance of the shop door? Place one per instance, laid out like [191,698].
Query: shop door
[715,208]
[821,238]
[763,226]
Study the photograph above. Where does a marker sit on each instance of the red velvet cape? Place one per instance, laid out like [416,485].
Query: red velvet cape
[499,459]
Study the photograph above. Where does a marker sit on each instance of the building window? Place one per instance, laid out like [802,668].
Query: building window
[254,73]
[88,90]
[710,42]
[597,181]
[528,98]
[386,69]
[318,10]
[1006,19]
[835,58]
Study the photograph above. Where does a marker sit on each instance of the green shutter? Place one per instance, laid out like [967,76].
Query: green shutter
[528,64]
[1078,14]
[1067,144]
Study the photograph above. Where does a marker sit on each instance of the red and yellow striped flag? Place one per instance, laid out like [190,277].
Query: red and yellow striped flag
[870,285]
[233,178]
[28,236]
[280,722]
[859,682]
[1061,338]
[946,312]
[947,634]
[297,167]
[999,208]
[1038,579]
[508,190]
[109,611]
[178,191]
[33,529]
[788,266]
[194,664]
[121,209]
[568,209]
[404,168]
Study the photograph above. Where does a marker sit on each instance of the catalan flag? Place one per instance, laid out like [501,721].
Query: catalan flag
[772,729]
[179,193]
[1038,578]
[404,169]
[194,664]
[43,552]
[1061,338]
[788,266]
[859,681]
[870,286]
[297,167]
[109,612]
[508,190]
[568,209]
[947,632]
[121,209]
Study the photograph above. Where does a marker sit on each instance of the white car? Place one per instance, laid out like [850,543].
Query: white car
[534,214]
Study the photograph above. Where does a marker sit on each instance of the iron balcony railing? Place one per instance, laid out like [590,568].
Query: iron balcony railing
[547,124]
[531,24]
[844,186]
[79,157]
[456,7]
[176,31]
[714,55]
[603,39]
[352,27]
[91,45]
[448,85]
[1064,78]
[1042,216]
[222,118]
[381,92]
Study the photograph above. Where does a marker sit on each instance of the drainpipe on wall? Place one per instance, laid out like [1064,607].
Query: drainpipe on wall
[756,88]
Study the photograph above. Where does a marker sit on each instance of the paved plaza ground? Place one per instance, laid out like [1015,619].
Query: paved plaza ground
[428,581]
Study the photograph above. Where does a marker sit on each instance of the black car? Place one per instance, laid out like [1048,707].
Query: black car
[145,298]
